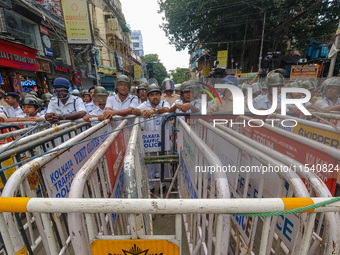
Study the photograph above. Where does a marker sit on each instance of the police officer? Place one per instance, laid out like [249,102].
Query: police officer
[31,107]
[99,99]
[154,105]
[168,87]
[46,97]
[227,99]
[178,88]
[184,104]
[64,106]
[88,102]
[142,92]
[330,100]
[122,103]
[273,80]
[14,109]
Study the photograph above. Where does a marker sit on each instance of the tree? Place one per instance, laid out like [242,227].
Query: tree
[158,70]
[236,25]
[179,75]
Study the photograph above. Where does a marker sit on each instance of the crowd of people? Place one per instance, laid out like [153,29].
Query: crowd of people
[149,99]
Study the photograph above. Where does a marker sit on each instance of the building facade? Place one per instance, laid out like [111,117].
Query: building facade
[137,42]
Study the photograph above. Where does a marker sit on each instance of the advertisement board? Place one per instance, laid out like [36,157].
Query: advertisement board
[77,21]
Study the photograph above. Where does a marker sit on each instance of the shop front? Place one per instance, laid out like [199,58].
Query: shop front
[16,63]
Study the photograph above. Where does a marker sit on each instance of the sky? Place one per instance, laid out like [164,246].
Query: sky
[142,15]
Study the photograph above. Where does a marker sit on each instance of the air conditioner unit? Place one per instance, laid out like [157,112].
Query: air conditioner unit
[10,23]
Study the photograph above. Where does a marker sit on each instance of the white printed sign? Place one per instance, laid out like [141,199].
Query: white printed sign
[59,173]
[152,140]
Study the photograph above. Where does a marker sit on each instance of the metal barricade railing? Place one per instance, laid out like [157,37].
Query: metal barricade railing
[330,234]
[316,156]
[204,232]
[14,134]
[238,159]
[100,177]
[219,207]
[52,177]
[35,145]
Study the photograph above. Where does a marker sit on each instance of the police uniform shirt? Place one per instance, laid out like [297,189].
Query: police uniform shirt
[15,112]
[73,104]
[325,102]
[96,111]
[227,106]
[262,101]
[170,99]
[89,106]
[179,101]
[153,123]
[38,115]
[116,104]
[3,110]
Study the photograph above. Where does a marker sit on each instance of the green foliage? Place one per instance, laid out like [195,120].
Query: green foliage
[179,75]
[237,25]
[160,72]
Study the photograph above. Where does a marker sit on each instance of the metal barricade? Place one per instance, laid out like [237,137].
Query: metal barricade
[9,136]
[88,206]
[229,146]
[48,176]
[204,232]
[34,145]
[321,159]
[100,177]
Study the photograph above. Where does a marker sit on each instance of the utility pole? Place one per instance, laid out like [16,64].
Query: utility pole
[332,64]
[262,38]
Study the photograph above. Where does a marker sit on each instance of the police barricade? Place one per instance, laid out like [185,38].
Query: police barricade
[35,144]
[8,135]
[204,231]
[248,166]
[252,206]
[102,176]
[156,133]
[321,159]
[52,177]
[328,118]
[327,134]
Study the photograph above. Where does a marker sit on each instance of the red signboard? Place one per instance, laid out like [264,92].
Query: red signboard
[44,30]
[17,56]
[115,157]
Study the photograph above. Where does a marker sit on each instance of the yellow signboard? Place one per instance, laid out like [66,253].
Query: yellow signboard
[331,139]
[306,71]
[137,72]
[222,58]
[8,172]
[206,70]
[133,247]
[77,22]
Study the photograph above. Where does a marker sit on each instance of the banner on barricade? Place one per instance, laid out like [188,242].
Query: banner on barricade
[152,140]
[59,173]
[115,157]
[313,159]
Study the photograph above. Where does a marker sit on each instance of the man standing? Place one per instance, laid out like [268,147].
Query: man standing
[330,92]
[2,99]
[122,103]
[154,105]
[14,109]
[142,92]
[65,106]
[168,87]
